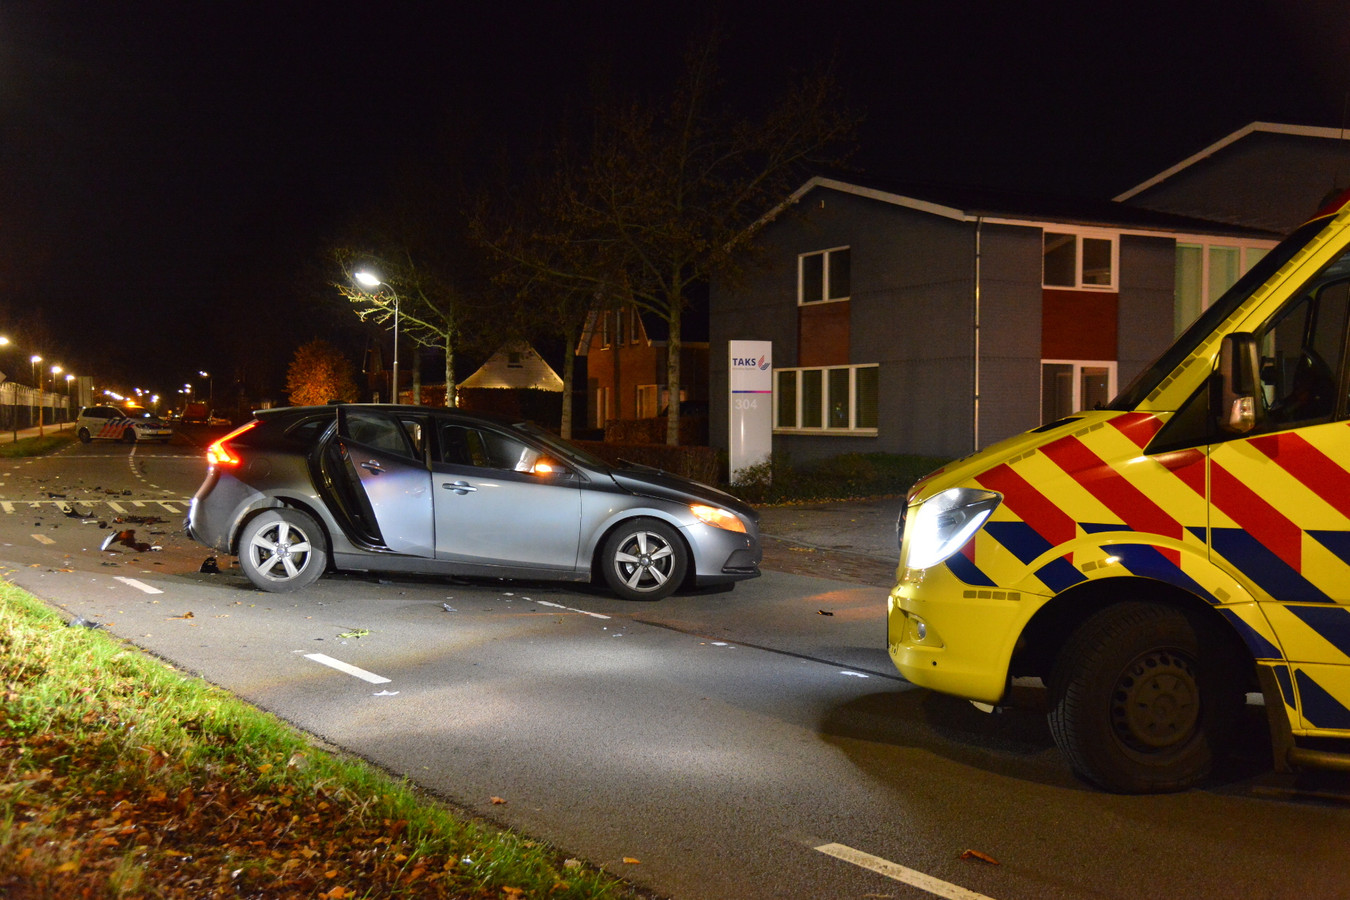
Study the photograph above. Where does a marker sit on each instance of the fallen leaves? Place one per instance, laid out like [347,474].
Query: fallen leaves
[982,857]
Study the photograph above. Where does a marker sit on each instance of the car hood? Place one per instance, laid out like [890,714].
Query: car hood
[664,485]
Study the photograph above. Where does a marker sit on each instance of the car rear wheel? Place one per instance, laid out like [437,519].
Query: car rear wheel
[1145,697]
[644,559]
[85,436]
[283,550]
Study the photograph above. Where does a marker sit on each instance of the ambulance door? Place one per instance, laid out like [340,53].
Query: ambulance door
[1280,497]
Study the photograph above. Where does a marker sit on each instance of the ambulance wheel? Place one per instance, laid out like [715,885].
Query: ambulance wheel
[1144,698]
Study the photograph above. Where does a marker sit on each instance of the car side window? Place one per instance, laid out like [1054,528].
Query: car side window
[378,432]
[1303,355]
[484,449]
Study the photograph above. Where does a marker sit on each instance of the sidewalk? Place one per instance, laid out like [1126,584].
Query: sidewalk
[849,540]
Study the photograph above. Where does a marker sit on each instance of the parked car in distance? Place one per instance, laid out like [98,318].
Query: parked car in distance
[114,423]
[381,487]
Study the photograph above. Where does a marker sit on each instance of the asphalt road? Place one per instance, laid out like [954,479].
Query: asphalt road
[749,744]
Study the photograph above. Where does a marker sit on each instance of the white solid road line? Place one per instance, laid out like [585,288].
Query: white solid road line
[897,872]
[348,668]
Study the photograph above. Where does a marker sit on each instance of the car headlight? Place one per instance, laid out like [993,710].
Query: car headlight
[944,523]
[717,518]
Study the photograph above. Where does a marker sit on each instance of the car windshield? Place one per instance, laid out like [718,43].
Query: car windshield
[1211,318]
[565,451]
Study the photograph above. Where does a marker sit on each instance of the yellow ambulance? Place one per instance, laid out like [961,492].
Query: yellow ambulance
[1155,561]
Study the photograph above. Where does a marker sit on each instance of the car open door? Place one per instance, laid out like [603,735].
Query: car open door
[380,458]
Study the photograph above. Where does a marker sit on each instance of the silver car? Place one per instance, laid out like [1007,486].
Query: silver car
[358,487]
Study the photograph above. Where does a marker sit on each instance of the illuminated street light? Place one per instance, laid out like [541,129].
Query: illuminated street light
[210,388]
[369,280]
[37,398]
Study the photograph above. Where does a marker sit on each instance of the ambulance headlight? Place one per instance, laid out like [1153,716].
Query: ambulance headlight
[943,524]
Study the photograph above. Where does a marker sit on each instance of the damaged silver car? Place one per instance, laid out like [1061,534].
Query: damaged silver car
[300,491]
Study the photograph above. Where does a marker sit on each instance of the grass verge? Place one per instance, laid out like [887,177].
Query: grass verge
[35,446]
[121,777]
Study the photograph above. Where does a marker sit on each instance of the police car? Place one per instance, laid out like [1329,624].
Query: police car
[114,423]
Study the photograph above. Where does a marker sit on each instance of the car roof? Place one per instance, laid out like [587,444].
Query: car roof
[296,412]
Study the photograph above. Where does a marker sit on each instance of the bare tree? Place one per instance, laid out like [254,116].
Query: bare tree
[669,198]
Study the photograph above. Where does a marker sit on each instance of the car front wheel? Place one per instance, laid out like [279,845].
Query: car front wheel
[129,436]
[283,550]
[1145,697]
[85,436]
[644,559]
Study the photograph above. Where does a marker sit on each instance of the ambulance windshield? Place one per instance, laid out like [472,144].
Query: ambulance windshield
[1210,319]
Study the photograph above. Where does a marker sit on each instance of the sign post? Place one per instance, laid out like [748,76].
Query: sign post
[751,403]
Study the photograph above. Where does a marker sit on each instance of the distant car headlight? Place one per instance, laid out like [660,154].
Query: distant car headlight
[717,518]
[944,523]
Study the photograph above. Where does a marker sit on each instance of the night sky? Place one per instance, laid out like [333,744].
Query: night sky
[170,171]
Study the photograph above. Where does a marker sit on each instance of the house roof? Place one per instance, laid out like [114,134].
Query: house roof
[515,365]
[1264,174]
[965,203]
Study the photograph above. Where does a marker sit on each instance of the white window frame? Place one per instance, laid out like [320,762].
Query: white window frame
[1078,234]
[824,275]
[853,428]
[1079,365]
[1251,252]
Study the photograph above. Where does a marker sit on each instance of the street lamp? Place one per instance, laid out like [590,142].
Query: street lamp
[56,370]
[210,388]
[369,280]
[37,398]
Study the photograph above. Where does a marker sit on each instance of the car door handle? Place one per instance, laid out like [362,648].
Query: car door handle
[373,466]
[459,487]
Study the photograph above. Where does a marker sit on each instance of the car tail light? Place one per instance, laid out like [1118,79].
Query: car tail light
[220,454]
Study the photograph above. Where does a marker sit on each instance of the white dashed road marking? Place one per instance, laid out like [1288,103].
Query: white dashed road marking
[348,668]
[43,539]
[897,872]
[570,609]
[138,585]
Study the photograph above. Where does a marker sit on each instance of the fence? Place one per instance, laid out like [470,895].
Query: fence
[20,404]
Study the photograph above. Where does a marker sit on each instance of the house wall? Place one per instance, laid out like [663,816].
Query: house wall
[1147,290]
[1010,333]
[913,310]
[910,311]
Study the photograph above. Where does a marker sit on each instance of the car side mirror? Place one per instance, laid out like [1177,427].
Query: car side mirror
[1239,373]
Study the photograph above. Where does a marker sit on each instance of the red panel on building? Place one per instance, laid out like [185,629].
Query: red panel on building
[1078,325]
[823,334]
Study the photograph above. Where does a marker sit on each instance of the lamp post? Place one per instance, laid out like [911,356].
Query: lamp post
[210,388]
[56,370]
[37,398]
[369,280]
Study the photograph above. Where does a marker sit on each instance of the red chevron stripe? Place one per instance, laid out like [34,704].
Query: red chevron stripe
[1030,505]
[1138,427]
[1131,505]
[1310,466]
[1257,517]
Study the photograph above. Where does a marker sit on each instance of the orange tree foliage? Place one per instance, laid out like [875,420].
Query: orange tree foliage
[320,373]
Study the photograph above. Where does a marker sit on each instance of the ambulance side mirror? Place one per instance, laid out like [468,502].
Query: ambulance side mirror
[1239,371]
